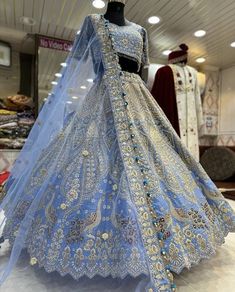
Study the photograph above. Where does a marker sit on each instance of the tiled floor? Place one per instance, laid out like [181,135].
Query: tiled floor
[214,275]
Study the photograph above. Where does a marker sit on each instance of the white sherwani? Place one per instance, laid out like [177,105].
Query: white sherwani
[189,106]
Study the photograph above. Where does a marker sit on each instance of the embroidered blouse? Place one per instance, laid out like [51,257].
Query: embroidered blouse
[128,41]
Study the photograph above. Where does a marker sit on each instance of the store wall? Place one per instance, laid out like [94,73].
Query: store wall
[227,108]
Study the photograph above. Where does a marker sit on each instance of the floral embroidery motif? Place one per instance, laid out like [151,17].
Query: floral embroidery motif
[33,261]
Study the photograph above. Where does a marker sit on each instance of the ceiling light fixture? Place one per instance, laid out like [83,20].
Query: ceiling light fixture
[200,33]
[99,4]
[90,80]
[27,20]
[78,32]
[74,97]
[154,20]
[200,60]
[232,44]
[54,82]
[83,87]
[59,75]
[166,52]
[63,64]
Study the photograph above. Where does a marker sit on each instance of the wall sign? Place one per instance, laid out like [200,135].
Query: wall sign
[55,44]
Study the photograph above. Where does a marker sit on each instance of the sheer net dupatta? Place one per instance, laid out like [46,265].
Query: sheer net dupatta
[83,71]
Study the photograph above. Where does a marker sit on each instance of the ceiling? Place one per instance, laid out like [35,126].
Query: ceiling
[179,20]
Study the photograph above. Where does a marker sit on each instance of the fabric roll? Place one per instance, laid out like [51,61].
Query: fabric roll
[26,114]
[8,120]
[26,121]
[12,143]
[9,125]
[4,118]
[7,112]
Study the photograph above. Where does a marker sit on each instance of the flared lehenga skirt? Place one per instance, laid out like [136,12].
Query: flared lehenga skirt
[114,210]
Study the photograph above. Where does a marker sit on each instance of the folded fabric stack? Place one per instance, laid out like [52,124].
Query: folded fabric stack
[16,121]
[15,132]
[12,143]
[8,119]
[4,112]
[26,121]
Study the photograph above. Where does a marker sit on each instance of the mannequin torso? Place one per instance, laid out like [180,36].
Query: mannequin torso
[115,14]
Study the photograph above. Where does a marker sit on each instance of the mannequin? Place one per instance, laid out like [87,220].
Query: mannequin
[115,14]
[177,92]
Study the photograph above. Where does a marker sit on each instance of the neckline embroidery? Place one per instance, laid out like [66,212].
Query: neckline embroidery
[127,22]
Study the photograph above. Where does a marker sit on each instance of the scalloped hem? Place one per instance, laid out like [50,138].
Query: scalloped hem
[88,275]
[77,276]
[213,250]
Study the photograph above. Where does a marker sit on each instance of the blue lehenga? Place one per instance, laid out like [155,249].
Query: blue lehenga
[104,185]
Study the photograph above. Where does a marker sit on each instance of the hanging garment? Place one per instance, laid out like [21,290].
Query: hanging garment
[177,92]
[104,186]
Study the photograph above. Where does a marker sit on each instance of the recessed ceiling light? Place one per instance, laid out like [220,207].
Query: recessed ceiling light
[59,75]
[154,19]
[78,32]
[166,52]
[200,60]
[69,102]
[90,80]
[99,4]
[45,99]
[200,33]
[54,82]
[63,64]
[27,20]
[232,44]
[83,87]
[74,97]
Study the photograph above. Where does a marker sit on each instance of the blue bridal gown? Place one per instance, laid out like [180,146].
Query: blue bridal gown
[104,186]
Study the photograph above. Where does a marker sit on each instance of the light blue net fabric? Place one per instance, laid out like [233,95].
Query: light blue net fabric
[84,70]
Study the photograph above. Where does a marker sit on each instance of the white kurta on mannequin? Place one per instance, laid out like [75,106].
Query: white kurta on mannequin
[189,106]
